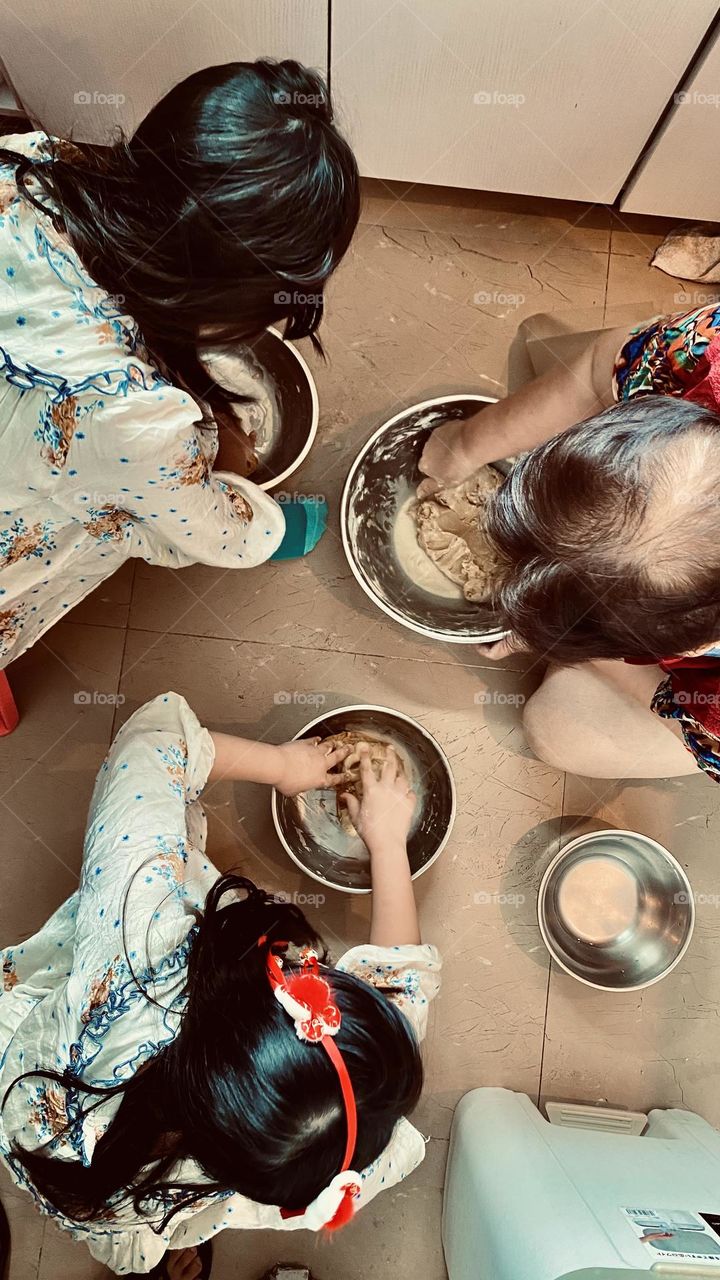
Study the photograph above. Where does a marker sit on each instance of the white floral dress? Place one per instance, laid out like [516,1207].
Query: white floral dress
[68,998]
[100,457]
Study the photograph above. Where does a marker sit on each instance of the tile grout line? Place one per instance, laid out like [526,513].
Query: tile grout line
[544,1035]
[549,977]
[327,653]
[607,279]
[121,670]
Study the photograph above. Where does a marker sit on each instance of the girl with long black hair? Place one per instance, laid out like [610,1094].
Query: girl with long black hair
[226,211]
[177,1056]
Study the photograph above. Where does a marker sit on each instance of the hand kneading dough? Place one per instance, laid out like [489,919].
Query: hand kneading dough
[379,752]
[450,527]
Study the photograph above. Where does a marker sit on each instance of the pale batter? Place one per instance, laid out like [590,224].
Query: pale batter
[415,562]
[450,529]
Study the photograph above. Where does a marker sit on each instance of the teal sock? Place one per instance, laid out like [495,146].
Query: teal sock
[305,523]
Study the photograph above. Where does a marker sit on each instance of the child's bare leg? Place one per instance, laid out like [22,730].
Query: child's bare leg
[594,719]
[565,394]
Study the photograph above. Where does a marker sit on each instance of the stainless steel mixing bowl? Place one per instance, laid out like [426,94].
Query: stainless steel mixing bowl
[296,397]
[616,910]
[384,473]
[297,400]
[310,832]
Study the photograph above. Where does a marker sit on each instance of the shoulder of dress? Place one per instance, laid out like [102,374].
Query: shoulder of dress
[35,143]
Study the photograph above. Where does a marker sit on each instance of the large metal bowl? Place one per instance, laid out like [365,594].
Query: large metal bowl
[616,910]
[379,482]
[295,393]
[309,831]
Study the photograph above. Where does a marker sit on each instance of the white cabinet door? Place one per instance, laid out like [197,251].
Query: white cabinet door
[548,97]
[680,176]
[83,67]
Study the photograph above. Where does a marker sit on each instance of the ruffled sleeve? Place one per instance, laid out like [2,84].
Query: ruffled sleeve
[129,1252]
[138,472]
[409,976]
[34,144]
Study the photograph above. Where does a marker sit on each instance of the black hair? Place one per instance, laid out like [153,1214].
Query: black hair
[610,535]
[260,1111]
[226,211]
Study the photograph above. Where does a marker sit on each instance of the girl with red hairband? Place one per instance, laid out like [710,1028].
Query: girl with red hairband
[176,1054]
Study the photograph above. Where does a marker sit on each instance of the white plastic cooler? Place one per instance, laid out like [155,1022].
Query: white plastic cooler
[530,1200]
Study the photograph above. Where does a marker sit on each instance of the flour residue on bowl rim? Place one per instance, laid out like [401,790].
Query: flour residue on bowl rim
[241,373]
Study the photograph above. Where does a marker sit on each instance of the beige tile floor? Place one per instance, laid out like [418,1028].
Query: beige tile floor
[431,299]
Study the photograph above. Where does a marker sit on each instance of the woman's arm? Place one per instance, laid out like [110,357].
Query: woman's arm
[382,818]
[565,394]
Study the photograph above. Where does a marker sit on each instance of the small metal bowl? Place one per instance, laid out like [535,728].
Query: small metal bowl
[307,825]
[616,910]
[382,477]
[297,404]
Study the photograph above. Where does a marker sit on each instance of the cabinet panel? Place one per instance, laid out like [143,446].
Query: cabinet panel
[680,176]
[547,97]
[82,68]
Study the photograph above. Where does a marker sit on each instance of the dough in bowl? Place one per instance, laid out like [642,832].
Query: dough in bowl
[379,752]
[450,529]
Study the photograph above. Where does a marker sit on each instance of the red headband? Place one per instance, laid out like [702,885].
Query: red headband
[307,997]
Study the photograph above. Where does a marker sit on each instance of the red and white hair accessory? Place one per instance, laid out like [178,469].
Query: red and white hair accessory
[307,997]
[334,1207]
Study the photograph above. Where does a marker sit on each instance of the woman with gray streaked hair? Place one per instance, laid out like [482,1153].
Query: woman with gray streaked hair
[610,531]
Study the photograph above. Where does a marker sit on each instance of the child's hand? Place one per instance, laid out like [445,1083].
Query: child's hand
[305,765]
[383,816]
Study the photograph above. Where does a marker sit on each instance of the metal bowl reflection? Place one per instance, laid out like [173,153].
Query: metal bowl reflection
[616,910]
[283,374]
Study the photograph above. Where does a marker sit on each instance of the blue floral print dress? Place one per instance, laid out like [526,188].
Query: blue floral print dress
[68,998]
[100,457]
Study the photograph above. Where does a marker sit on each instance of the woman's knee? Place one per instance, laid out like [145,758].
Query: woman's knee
[547,727]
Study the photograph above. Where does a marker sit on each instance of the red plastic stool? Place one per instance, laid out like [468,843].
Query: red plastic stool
[9,714]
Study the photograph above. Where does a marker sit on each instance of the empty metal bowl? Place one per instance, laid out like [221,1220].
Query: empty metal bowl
[293,390]
[307,825]
[382,479]
[616,910]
